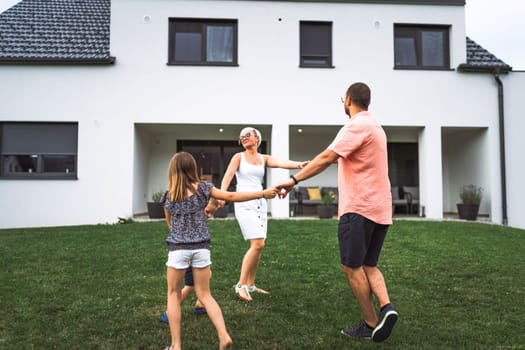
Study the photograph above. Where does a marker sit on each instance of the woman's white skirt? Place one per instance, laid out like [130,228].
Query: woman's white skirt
[252,217]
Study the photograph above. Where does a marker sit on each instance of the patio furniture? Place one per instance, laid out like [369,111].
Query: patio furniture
[411,193]
[302,198]
[398,199]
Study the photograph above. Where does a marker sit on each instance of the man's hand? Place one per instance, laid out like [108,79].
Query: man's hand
[285,187]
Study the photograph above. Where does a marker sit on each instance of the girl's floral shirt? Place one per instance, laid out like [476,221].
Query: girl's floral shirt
[189,225]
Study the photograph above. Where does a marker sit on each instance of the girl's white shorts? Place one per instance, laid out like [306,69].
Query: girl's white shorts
[182,259]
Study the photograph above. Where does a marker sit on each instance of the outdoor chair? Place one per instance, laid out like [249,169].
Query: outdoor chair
[411,193]
[397,200]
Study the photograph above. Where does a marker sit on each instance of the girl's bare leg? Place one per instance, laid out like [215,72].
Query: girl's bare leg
[174,278]
[201,278]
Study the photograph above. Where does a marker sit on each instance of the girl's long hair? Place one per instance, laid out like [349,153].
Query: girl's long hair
[182,174]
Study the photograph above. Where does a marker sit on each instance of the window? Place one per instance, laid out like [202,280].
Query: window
[38,150]
[421,47]
[202,42]
[315,44]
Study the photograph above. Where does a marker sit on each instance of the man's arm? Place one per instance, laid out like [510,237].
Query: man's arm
[314,167]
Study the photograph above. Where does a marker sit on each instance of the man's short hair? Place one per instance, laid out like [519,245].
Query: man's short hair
[359,93]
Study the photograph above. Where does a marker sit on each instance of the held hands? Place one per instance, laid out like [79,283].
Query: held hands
[303,164]
[270,193]
[285,187]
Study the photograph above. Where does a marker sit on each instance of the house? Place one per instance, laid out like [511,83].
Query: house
[96,96]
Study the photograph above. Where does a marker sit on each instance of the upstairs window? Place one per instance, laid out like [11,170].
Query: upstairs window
[38,150]
[209,42]
[315,44]
[421,47]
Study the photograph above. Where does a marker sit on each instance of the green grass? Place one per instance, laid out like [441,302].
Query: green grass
[456,285]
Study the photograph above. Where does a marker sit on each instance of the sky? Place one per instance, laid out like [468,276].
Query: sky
[496,25]
[499,27]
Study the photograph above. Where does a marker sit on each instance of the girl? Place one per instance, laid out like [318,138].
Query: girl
[189,241]
[213,205]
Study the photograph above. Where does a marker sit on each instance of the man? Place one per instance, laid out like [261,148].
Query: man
[365,208]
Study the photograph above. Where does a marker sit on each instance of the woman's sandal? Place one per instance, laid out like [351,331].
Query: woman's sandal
[255,289]
[243,292]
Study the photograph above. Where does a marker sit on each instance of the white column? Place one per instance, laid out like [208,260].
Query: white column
[431,172]
[279,140]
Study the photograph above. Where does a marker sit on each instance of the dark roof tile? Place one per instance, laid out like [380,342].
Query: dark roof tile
[56,31]
[481,60]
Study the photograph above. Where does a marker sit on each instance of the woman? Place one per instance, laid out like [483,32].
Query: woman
[249,167]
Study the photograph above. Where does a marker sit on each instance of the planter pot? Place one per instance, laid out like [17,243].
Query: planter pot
[468,211]
[325,211]
[155,210]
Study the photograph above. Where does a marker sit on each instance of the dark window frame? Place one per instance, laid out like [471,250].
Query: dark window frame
[16,162]
[415,31]
[305,57]
[203,23]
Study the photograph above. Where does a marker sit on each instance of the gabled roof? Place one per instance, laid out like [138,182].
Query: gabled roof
[480,60]
[56,32]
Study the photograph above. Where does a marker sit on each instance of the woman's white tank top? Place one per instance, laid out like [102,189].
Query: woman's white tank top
[249,176]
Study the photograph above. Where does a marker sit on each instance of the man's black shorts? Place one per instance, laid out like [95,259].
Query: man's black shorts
[360,240]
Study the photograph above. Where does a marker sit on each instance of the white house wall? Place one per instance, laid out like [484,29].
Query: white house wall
[111,103]
[466,167]
[514,88]
[73,94]
[268,85]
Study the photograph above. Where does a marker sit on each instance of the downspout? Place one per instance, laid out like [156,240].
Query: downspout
[502,148]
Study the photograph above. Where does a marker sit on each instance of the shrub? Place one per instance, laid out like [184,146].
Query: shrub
[328,198]
[471,194]
[156,196]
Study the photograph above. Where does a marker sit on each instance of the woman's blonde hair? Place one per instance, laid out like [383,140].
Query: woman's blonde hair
[182,174]
[250,129]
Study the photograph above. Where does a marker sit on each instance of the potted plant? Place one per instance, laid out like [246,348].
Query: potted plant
[327,209]
[470,196]
[155,209]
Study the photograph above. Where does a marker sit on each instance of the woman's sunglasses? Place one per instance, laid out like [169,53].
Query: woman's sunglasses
[245,136]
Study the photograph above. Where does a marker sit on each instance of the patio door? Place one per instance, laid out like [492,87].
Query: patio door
[213,158]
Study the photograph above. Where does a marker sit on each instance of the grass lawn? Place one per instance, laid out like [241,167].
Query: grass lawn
[456,285]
